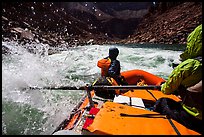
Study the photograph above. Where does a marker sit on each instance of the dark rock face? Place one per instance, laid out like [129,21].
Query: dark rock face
[49,23]
[169,25]
[69,21]
[73,23]
[116,19]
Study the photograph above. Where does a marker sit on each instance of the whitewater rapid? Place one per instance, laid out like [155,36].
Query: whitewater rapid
[32,112]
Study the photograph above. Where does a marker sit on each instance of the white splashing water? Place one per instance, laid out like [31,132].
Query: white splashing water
[74,67]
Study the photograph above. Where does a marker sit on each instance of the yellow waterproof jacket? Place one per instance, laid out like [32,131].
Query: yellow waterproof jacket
[187,74]
[194,44]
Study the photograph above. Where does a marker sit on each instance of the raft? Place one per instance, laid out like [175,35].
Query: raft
[128,113]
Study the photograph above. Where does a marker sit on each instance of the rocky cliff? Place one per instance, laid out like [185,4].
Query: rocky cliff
[169,26]
[73,23]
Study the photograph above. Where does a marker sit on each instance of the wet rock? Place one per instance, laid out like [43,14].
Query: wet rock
[27,34]
[17,30]
[152,40]
[24,34]
[4,18]
[5,50]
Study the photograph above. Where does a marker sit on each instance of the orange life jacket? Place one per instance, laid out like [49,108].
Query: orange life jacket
[104,64]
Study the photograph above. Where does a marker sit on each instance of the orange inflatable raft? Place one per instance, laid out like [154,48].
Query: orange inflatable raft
[128,113]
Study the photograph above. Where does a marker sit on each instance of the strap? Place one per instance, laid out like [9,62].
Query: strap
[130,101]
[95,81]
[153,116]
[143,115]
[172,124]
[151,94]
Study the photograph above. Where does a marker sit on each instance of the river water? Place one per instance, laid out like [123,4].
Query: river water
[39,112]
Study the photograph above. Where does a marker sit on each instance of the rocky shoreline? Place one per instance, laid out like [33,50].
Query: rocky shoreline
[169,27]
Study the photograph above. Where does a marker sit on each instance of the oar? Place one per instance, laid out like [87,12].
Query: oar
[58,88]
[125,87]
[88,88]
[105,87]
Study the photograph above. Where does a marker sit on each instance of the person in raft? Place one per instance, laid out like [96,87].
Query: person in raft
[110,66]
[186,82]
[110,74]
